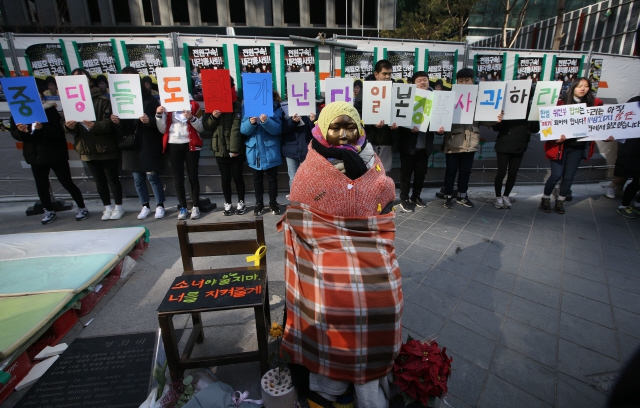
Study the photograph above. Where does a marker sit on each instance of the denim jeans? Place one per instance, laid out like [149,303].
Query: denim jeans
[140,182]
[564,169]
[292,167]
[461,164]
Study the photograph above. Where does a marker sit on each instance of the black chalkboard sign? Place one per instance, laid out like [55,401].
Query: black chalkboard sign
[216,290]
[97,372]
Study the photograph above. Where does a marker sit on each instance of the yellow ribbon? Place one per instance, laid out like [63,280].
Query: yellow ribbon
[379,207]
[378,167]
[546,132]
[255,258]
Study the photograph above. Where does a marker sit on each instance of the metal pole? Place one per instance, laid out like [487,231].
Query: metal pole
[175,48]
[14,54]
[346,18]
[587,65]
[362,18]
[332,52]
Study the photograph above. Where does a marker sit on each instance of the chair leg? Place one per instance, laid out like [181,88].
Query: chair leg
[170,346]
[266,304]
[263,345]
[197,325]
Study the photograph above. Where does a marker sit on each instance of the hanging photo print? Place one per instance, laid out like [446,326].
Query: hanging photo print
[441,68]
[357,64]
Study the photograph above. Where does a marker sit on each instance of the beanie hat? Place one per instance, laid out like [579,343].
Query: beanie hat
[335,109]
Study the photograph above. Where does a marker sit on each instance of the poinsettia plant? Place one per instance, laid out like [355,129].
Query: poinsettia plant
[421,370]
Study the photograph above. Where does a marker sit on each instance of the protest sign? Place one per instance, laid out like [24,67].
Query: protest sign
[45,60]
[300,59]
[402,64]
[516,99]
[595,73]
[258,94]
[442,110]
[465,105]
[529,68]
[357,64]
[75,96]
[566,70]
[440,70]
[24,100]
[567,120]
[301,92]
[173,88]
[216,90]
[255,59]
[338,89]
[622,121]
[376,102]
[402,99]
[422,109]
[97,57]
[489,67]
[490,101]
[546,94]
[146,58]
[126,95]
[199,58]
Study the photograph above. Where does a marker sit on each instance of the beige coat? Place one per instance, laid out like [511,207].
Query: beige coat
[463,138]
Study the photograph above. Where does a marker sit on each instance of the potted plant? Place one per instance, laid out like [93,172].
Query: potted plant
[421,370]
[277,387]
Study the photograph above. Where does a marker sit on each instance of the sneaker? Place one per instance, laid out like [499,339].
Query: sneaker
[559,207]
[258,209]
[106,215]
[227,209]
[465,201]
[182,215]
[635,208]
[195,213]
[159,212]
[48,216]
[626,212]
[418,202]
[275,208]
[241,208]
[448,202]
[610,192]
[507,202]
[545,205]
[406,206]
[144,213]
[81,214]
[498,203]
[116,214]
[568,198]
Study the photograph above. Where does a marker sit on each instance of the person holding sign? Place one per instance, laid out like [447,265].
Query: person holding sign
[97,144]
[296,135]
[460,146]
[566,154]
[183,142]
[262,140]
[144,160]
[44,147]
[228,146]
[343,286]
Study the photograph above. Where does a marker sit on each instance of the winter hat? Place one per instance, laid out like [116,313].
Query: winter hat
[335,109]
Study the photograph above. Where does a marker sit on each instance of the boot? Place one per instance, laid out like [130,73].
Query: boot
[545,205]
[559,206]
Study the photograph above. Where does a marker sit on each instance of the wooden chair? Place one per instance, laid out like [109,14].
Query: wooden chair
[178,363]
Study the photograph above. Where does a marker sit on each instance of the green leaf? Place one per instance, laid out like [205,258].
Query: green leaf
[409,338]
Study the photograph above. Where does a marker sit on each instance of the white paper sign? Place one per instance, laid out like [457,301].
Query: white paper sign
[622,121]
[546,94]
[567,120]
[402,104]
[75,96]
[490,101]
[442,110]
[422,109]
[376,102]
[173,89]
[126,95]
[338,89]
[301,93]
[517,99]
[465,107]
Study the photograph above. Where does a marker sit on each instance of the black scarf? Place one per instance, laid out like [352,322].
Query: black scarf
[353,164]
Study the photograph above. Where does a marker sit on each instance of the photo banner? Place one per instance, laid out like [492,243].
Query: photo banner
[216,87]
[357,64]
[198,59]
[301,93]
[441,67]
[489,67]
[24,100]
[45,60]
[403,64]
[97,57]
[338,89]
[126,96]
[75,96]
[546,94]
[490,101]
[422,110]
[173,89]
[255,59]
[566,70]
[376,102]
[258,94]
[402,100]
[595,73]
[529,68]
[442,110]
[465,107]
[299,59]
[146,58]
[517,99]
[567,120]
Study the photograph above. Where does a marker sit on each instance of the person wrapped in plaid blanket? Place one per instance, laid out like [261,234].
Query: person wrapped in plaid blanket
[343,286]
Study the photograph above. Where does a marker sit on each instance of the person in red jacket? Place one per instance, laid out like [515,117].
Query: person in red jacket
[566,154]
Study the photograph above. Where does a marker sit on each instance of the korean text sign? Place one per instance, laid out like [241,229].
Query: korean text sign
[546,94]
[621,121]
[567,120]
[126,95]
[464,109]
[24,100]
[376,102]
[75,96]
[422,109]
[301,93]
[258,94]
[442,110]
[490,101]
[216,90]
[338,89]
[214,290]
[173,88]
[517,99]
[402,100]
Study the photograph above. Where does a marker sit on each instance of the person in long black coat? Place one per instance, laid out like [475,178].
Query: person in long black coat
[144,160]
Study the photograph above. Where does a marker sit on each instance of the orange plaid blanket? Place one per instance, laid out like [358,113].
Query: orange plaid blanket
[343,294]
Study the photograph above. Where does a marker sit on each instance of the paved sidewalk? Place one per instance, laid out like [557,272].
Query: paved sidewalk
[536,309]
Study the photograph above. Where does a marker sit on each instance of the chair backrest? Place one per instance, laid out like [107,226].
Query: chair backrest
[189,250]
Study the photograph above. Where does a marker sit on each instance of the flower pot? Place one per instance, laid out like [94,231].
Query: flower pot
[274,395]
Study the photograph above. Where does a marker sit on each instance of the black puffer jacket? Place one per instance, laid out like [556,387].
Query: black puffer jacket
[47,145]
[147,155]
[296,138]
[514,135]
